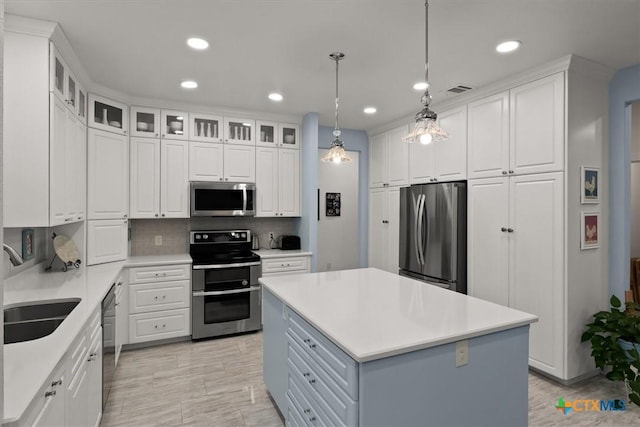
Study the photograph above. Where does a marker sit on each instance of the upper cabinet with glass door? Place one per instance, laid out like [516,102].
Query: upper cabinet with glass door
[145,122]
[205,127]
[174,124]
[266,134]
[239,131]
[107,114]
[288,135]
[65,85]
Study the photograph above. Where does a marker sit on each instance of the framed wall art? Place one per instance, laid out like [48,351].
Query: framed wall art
[589,230]
[332,204]
[28,244]
[590,185]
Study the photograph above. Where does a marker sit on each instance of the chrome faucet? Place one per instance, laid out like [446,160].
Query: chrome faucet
[14,257]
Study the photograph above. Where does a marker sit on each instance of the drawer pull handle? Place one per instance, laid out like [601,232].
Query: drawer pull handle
[312,381]
[312,345]
[306,374]
[307,411]
[312,419]
[50,393]
[56,383]
[306,340]
[164,326]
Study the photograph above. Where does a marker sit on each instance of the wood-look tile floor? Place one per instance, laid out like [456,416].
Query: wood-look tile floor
[219,383]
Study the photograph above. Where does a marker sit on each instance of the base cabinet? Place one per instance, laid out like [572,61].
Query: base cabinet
[48,408]
[159,301]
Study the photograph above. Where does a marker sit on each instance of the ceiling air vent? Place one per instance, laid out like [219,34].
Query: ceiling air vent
[459,89]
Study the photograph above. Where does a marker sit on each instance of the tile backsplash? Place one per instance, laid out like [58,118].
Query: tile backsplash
[174,233]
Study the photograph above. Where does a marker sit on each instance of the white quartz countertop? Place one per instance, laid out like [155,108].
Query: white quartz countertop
[279,253]
[372,314]
[28,364]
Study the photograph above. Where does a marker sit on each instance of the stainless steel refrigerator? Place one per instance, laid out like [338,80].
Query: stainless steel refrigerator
[433,234]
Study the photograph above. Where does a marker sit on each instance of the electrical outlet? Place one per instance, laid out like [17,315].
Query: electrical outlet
[462,353]
[272,235]
[159,240]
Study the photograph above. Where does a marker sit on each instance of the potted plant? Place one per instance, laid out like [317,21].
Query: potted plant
[615,344]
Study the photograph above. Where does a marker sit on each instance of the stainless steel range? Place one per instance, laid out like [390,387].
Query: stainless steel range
[224,280]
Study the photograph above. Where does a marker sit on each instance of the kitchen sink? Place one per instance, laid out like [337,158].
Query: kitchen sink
[30,321]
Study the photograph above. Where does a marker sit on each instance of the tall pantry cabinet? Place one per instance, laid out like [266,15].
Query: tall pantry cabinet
[44,165]
[526,147]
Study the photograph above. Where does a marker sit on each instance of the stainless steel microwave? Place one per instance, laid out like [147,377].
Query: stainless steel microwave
[222,198]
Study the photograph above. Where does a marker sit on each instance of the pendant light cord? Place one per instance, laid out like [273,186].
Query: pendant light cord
[426,43]
[337,59]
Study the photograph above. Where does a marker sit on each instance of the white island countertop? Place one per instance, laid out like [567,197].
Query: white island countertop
[372,314]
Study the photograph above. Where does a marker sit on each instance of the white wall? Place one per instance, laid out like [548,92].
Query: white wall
[635,180]
[339,236]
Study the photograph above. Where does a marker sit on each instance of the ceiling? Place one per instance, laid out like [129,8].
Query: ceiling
[260,46]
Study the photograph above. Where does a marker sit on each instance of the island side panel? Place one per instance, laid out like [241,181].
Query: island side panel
[274,348]
[425,388]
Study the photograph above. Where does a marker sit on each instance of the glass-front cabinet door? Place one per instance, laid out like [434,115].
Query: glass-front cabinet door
[174,124]
[82,105]
[205,127]
[266,133]
[289,135]
[239,131]
[107,114]
[145,122]
[58,69]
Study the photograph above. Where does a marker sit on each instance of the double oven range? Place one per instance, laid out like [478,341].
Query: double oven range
[224,279]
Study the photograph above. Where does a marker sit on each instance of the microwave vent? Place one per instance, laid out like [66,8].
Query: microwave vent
[459,89]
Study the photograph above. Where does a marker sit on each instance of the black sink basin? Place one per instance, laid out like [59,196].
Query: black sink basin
[27,331]
[30,321]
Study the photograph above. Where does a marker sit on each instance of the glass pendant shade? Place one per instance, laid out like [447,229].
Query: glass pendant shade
[336,153]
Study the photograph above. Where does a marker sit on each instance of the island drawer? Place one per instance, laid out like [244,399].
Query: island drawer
[285,265]
[159,273]
[336,363]
[159,296]
[342,411]
[305,405]
[294,415]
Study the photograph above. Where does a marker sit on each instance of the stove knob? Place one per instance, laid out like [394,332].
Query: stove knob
[205,236]
[243,235]
[198,237]
[245,283]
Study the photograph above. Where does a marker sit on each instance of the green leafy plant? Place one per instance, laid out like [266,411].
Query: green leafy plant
[605,333]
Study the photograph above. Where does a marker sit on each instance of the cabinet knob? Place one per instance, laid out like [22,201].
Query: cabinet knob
[125,215]
[510,171]
[50,393]
[504,172]
[56,383]
[503,229]
[510,230]
[79,218]
[163,135]
[125,131]
[156,134]
[226,179]
[307,411]
[156,215]
[220,179]
[306,340]
[312,381]
[312,345]
[162,214]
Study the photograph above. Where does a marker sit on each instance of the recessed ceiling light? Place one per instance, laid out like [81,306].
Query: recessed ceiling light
[197,43]
[274,96]
[370,110]
[421,86]
[189,84]
[508,46]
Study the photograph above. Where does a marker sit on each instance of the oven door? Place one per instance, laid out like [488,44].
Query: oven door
[225,301]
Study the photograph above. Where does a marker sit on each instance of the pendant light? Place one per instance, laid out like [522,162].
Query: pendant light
[336,153]
[426,129]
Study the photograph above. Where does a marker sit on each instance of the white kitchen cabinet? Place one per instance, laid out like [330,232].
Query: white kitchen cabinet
[94,381]
[159,178]
[384,228]
[106,240]
[44,146]
[174,125]
[389,159]
[239,163]
[266,134]
[144,200]
[520,131]
[288,135]
[285,264]
[488,126]
[108,115]
[159,301]
[48,408]
[277,182]
[516,249]
[206,161]
[108,175]
[444,160]
[145,122]
[239,131]
[205,127]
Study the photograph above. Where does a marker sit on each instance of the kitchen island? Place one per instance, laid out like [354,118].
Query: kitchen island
[369,348]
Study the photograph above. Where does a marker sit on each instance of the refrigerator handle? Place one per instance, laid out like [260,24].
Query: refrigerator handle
[420,228]
[425,230]
[416,228]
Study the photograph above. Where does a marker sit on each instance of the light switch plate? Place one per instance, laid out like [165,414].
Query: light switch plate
[462,353]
